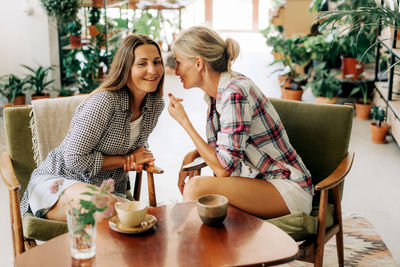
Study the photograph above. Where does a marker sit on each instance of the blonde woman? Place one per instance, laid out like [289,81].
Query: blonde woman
[108,134]
[243,132]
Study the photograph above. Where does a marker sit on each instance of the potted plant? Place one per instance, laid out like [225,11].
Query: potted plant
[13,87]
[354,48]
[324,85]
[363,107]
[378,128]
[75,29]
[293,57]
[358,34]
[37,79]
[64,11]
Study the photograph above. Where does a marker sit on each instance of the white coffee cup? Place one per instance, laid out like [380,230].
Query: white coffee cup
[131,213]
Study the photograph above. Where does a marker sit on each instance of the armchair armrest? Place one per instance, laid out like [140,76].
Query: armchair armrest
[153,169]
[197,164]
[338,175]
[7,173]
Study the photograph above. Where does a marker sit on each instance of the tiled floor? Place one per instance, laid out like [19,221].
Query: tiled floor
[371,188]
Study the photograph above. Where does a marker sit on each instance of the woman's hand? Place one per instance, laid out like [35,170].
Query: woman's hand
[176,110]
[189,158]
[137,159]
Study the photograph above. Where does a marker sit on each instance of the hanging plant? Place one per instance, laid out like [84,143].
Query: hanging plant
[64,11]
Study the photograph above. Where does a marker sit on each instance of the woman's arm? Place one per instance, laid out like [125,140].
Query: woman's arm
[208,153]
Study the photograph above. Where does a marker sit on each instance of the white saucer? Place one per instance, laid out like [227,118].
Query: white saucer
[148,222]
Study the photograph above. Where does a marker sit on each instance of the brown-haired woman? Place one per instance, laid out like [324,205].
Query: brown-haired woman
[108,134]
[243,132]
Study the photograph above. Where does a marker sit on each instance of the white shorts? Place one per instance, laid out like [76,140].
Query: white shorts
[296,199]
[41,200]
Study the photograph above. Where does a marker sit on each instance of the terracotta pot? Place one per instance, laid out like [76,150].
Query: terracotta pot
[36,97]
[292,94]
[75,41]
[19,100]
[350,66]
[363,110]
[326,100]
[94,32]
[378,134]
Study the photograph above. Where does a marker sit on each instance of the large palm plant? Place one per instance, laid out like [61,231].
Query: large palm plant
[357,22]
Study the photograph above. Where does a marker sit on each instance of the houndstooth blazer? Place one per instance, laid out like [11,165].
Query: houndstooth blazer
[100,126]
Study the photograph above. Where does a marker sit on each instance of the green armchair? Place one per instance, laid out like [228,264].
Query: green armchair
[16,166]
[320,133]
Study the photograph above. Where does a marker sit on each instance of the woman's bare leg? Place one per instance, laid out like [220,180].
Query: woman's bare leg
[74,193]
[255,196]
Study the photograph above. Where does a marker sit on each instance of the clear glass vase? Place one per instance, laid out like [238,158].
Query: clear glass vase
[82,239]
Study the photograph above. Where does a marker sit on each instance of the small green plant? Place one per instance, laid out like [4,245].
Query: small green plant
[37,78]
[324,83]
[363,88]
[12,86]
[378,114]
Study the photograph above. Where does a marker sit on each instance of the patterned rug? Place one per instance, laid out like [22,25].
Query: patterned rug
[362,247]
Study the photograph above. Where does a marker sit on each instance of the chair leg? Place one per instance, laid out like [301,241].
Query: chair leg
[338,217]
[152,192]
[16,224]
[319,253]
[138,186]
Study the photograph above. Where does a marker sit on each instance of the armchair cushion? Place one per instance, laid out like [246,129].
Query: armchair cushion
[300,225]
[41,229]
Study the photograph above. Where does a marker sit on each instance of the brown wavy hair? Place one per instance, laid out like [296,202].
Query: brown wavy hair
[123,61]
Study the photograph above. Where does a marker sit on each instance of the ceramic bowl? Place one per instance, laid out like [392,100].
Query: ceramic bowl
[212,208]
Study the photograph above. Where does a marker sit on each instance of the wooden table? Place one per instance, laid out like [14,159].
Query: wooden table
[178,239]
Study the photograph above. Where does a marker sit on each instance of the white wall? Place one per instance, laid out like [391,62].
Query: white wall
[26,39]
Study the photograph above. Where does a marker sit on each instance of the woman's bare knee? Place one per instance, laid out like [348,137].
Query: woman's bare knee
[195,188]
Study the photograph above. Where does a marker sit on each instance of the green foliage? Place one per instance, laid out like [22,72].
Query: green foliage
[292,53]
[37,79]
[94,15]
[324,47]
[378,114]
[12,86]
[74,28]
[71,66]
[64,11]
[358,21]
[90,68]
[147,24]
[324,83]
[121,23]
[357,43]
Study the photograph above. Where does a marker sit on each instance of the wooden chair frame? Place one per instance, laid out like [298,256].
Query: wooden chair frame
[312,248]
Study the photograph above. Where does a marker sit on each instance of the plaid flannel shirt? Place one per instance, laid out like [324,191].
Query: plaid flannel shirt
[244,127]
